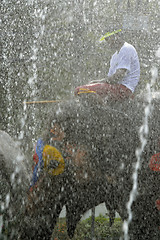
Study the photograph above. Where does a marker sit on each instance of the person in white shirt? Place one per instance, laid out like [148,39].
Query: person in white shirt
[124,71]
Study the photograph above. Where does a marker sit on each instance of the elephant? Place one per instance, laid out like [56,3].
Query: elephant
[98,142]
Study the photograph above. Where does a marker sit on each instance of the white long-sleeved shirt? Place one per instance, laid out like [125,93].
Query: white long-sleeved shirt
[126,58]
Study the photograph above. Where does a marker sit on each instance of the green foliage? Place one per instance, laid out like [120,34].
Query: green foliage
[83,230]
[60,231]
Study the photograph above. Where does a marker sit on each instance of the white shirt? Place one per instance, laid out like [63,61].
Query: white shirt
[126,58]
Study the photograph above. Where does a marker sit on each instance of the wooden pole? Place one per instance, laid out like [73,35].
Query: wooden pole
[92,224]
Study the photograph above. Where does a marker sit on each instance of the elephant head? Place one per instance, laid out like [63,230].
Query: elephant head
[97,150]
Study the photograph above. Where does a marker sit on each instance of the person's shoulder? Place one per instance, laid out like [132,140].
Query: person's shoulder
[129,48]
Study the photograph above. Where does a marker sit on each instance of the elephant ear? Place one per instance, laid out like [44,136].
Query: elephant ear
[11,157]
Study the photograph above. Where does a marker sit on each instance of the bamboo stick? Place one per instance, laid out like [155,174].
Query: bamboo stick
[82,90]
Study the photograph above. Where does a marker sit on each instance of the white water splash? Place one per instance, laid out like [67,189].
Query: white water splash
[143,134]
[158,53]
[84,14]
[1,223]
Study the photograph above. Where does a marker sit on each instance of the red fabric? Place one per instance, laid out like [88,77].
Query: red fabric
[154,163]
[158,204]
[35,158]
[113,91]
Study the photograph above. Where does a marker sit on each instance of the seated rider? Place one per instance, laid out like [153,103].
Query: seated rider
[124,71]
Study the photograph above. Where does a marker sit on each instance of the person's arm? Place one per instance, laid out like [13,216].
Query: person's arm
[98,81]
[119,74]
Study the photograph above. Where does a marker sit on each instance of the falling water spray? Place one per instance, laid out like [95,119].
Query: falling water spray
[18,165]
[143,134]
[39,15]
